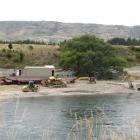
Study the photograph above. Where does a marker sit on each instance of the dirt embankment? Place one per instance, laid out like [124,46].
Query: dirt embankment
[79,88]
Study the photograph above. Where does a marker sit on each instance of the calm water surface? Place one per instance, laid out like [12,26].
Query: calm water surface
[54,116]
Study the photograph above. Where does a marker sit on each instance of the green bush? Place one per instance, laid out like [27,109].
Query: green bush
[8,55]
[30,47]
[138,55]
[136,49]
[88,54]
[21,56]
[3,50]
[10,46]
[16,60]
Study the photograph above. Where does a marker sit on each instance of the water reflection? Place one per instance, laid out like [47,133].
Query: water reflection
[55,116]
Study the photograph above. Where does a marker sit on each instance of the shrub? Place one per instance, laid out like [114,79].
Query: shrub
[3,50]
[138,55]
[8,55]
[21,56]
[30,47]
[10,46]
[15,60]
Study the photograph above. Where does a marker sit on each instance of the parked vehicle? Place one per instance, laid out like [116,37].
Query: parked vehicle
[54,82]
[31,87]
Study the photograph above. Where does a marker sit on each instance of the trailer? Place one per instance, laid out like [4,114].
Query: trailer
[36,71]
[24,80]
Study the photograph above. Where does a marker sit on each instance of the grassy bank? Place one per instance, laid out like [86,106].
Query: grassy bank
[26,54]
[30,54]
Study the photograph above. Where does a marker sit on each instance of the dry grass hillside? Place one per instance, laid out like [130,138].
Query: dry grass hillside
[29,54]
[133,57]
[32,55]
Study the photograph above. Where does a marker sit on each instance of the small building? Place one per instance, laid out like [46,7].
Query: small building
[36,71]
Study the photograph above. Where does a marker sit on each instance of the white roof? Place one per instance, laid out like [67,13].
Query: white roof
[36,67]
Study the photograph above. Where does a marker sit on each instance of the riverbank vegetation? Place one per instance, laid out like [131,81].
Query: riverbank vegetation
[28,41]
[82,54]
[124,41]
[88,54]
[20,55]
[96,126]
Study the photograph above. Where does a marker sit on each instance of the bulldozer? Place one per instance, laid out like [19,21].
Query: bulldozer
[54,82]
[31,87]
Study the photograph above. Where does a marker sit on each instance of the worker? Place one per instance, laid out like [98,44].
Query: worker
[130,85]
[92,77]
[31,84]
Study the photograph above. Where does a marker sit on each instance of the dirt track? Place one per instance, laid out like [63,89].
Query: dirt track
[79,88]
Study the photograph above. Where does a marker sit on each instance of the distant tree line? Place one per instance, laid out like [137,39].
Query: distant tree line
[123,41]
[27,41]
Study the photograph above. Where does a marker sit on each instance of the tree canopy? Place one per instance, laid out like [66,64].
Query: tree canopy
[89,54]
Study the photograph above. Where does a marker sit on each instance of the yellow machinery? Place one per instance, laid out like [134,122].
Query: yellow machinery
[31,87]
[83,78]
[91,80]
[54,82]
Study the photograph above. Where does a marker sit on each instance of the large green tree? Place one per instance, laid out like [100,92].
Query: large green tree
[89,54]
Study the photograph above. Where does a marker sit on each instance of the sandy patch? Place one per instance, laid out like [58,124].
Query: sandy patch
[79,88]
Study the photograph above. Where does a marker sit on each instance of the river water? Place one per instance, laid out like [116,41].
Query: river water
[54,117]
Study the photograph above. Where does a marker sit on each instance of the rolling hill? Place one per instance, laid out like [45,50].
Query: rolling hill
[58,31]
